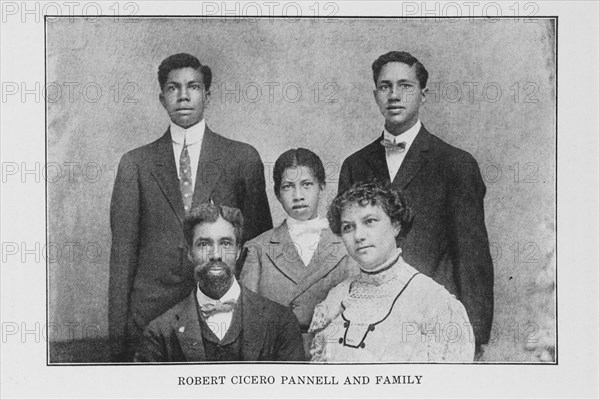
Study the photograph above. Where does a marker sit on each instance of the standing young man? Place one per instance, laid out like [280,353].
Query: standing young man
[442,184]
[156,187]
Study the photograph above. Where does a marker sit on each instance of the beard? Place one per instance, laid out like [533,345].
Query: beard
[214,282]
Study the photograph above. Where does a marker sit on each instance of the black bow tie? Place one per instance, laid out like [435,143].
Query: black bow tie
[388,144]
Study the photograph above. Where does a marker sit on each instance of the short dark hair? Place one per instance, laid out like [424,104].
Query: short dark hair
[210,213]
[297,158]
[183,60]
[405,58]
[391,200]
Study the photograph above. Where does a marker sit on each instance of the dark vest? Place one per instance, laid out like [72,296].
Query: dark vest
[228,349]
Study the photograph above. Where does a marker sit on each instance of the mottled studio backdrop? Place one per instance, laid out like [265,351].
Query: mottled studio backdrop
[280,84]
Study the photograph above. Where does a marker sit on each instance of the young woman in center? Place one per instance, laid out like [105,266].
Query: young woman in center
[298,262]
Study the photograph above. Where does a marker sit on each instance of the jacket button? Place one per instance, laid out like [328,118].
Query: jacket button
[346,324]
[362,345]
[341,341]
[371,327]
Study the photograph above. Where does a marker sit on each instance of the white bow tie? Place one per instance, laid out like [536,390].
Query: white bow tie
[311,226]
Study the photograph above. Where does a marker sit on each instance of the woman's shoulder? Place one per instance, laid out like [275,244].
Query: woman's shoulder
[327,310]
[428,289]
[342,289]
[338,293]
[430,301]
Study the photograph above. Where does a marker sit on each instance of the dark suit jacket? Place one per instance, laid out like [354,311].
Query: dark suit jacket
[275,270]
[149,268]
[448,240]
[269,332]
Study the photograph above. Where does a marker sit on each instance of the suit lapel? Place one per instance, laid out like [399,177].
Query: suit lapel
[328,255]
[253,327]
[375,159]
[284,255]
[415,159]
[188,331]
[165,173]
[210,170]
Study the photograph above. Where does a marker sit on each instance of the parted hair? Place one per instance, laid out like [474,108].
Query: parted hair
[297,158]
[183,60]
[405,58]
[210,213]
[373,193]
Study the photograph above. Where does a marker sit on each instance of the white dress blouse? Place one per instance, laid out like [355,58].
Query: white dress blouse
[395,315]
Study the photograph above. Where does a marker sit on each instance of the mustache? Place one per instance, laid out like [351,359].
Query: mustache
[200,271]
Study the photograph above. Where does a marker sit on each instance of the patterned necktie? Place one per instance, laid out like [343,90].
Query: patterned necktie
[389,145]
[185,178]
[208,309]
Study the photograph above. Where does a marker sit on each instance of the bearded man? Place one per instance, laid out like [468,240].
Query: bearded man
[220,320]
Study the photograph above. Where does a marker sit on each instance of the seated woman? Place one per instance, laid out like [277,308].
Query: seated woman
[297,263]
[390,311]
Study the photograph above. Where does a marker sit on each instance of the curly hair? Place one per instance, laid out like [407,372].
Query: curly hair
[372,193]
[210,213]
[183,60]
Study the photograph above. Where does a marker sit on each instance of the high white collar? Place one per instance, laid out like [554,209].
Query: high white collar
[192,135]
[408,137]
